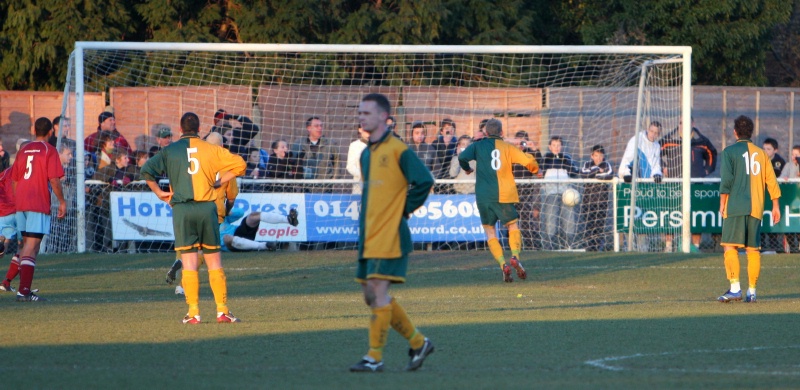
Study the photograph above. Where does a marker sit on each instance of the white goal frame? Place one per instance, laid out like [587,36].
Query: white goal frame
[685,53]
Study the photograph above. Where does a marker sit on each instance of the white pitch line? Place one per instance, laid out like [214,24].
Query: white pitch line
[607,363]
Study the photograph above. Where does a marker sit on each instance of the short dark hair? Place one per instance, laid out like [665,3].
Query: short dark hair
[417,125]
[190,123]
[773,142]
[556,138]
[311,118]
[494,127]
[276,143]
[380,100]
[743,127]
[598,148]
[104,137]
[43,127]
[139,154]
[56,120]
[656,124]
[448,121]
[521,134]
[117,153]
[464,137]
[482,125]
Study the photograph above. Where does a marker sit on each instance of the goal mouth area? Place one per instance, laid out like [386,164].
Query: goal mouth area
[587,95]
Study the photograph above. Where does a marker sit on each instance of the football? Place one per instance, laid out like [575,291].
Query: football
[571,197]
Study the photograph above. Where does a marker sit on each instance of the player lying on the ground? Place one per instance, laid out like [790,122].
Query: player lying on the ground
[242,237]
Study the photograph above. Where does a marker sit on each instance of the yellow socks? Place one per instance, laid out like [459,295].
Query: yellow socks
[732,265]
[402,324]
[219,286]
[753,268]
[497,251]
[515,241]
[379,331]
[191,289]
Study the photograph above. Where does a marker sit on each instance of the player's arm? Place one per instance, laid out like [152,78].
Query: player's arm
[58,191]
[525,159]
[608,174]
[723,204]
[419,179]
[231,192]
[150,171]
[465,157]
[229,165]
[161,194]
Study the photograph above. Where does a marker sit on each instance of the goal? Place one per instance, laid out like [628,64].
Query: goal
[267,98]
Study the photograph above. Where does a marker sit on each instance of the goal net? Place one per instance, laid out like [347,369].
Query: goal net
[290,112]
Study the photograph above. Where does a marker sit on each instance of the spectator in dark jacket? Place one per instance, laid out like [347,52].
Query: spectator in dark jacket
[424,150]
[445,147]
[595,201]
[282,165]
[703,158]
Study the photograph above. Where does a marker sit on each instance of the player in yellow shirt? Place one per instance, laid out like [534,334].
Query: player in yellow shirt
[496,191]
[745,174]
[396,183]
[192,165]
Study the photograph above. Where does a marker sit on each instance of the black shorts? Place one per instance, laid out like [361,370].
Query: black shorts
[245,231]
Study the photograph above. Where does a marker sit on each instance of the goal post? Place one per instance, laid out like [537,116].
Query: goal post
[585,95]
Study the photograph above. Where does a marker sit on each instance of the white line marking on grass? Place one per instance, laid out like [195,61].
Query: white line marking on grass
[610,363]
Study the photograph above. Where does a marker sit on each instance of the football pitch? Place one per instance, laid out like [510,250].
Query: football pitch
[585,320]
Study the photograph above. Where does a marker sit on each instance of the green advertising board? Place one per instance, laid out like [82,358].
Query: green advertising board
[655,215]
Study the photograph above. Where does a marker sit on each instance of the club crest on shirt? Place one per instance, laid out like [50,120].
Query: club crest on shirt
[383,161]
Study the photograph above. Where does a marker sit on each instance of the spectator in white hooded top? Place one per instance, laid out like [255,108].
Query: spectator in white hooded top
[649,151]
[354,158]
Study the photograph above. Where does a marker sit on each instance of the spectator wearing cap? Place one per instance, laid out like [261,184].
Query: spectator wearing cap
[595,198]
[163,138]
[107,123]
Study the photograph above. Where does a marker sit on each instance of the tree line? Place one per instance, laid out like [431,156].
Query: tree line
[735,43]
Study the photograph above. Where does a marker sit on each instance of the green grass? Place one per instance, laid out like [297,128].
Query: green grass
[582,321]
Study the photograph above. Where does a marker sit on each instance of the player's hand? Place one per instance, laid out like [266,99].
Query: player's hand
[627,178]
[217,184]
[165,196]
[657,179]
[62,210]
[776,215]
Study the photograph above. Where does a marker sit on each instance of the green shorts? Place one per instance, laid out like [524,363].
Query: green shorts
[393,270]
[741,231]
[492,212]
[196,227]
